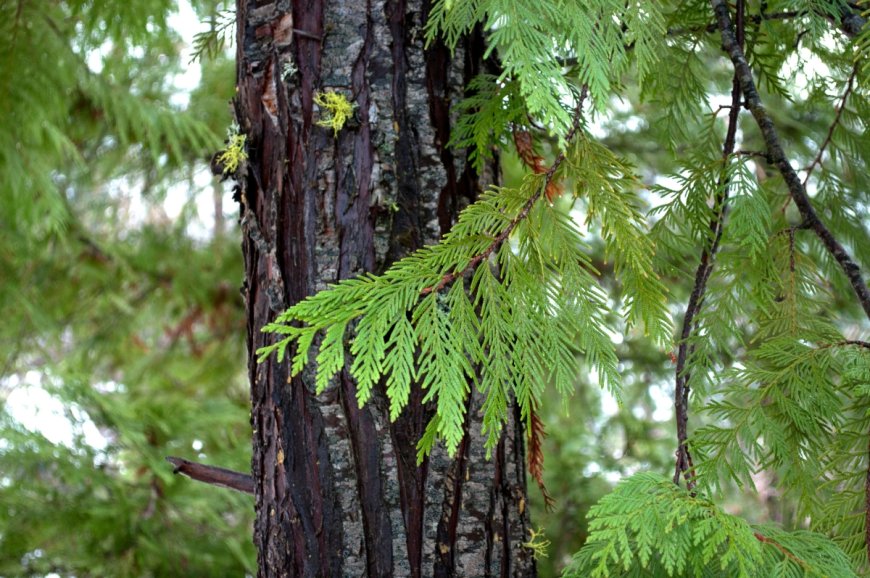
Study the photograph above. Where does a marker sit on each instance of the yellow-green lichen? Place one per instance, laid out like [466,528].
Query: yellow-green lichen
[234,155]
[537,543]
[335,110]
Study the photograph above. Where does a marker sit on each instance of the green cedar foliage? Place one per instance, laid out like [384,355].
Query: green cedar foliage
[530,308]
[778,378]
[602,38]
[648,526]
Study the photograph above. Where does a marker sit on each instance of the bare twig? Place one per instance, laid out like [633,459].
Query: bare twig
[743,153]
[777,157]
[524,212]
[684,463]
[213,475]
[755,18]
[850,84]
[846,343]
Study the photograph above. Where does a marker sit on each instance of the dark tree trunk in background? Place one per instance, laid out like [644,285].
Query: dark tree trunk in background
[338,491]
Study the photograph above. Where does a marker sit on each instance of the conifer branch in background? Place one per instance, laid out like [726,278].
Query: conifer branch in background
[777,156]
[850,85]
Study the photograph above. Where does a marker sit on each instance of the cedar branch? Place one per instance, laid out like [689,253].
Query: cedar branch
[846,343]
[765,540]
[796,188]
[850,84]
[524,212]
[777,157]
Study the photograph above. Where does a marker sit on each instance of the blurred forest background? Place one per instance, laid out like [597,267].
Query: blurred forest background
[122,332]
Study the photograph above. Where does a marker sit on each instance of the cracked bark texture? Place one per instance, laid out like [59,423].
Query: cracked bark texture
[337,488]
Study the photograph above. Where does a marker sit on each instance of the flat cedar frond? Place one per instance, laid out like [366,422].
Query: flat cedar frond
[608,184]
[783,410]
[530,313]
[486,116]
[529,36]
[648,526]
[412,334]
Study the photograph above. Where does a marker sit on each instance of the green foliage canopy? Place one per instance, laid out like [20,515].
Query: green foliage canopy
[108,306]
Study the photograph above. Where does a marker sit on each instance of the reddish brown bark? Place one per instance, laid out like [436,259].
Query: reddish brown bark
[338,491]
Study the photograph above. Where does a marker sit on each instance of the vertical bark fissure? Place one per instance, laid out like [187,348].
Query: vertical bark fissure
[445,538]
[438,61]
[504,533]
[466,186]
[295,521]
[521,559]
[354,164]
[405,235]
[412,481]
[308,16]
[366,453]
[298,208]
[310,481]
[489,528]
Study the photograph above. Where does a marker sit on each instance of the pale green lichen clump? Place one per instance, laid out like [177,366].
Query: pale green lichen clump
[336,110]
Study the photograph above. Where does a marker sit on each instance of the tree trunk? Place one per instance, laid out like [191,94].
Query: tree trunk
[338,490]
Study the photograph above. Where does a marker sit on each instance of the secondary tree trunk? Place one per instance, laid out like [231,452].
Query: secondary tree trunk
[338,491]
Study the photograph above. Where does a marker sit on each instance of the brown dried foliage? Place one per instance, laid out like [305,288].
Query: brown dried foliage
[536,457]
[526,150]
